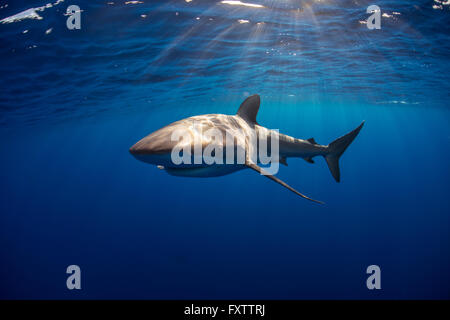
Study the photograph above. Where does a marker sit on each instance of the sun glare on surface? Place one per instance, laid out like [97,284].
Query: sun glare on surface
[240,3]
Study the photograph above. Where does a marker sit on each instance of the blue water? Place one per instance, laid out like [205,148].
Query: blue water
[73,101]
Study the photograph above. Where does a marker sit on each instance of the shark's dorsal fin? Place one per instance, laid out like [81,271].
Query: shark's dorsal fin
[311,140]
[249,108]
[271,177]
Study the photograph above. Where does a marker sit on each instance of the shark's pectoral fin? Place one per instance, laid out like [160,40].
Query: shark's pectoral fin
[271,177]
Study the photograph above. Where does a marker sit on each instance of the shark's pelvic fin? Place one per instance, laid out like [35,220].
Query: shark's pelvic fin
[263,172]
[249,108]
[337,148]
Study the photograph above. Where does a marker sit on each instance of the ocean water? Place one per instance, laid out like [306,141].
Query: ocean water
[72,102]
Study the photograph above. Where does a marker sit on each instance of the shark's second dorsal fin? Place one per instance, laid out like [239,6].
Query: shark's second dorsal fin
[249,108]
[311,140]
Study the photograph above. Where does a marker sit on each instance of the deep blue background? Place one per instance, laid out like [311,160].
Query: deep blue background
[73,102]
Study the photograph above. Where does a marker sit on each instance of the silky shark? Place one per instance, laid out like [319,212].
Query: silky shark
[157,148]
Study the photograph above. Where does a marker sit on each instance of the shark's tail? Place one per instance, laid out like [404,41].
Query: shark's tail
[337,148]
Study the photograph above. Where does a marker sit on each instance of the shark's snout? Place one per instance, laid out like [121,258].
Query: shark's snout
[138,149]
[157,143]
[151,146]
[146,147]
[152,150]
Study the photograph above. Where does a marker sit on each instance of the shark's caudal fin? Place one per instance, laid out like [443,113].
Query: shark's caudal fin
[284,184]
[337,148]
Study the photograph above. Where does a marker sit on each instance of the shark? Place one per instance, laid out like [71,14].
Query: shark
[157,148]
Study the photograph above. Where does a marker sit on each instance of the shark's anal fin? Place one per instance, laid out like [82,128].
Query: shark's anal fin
[310,160]
[283,160]
[271,177]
